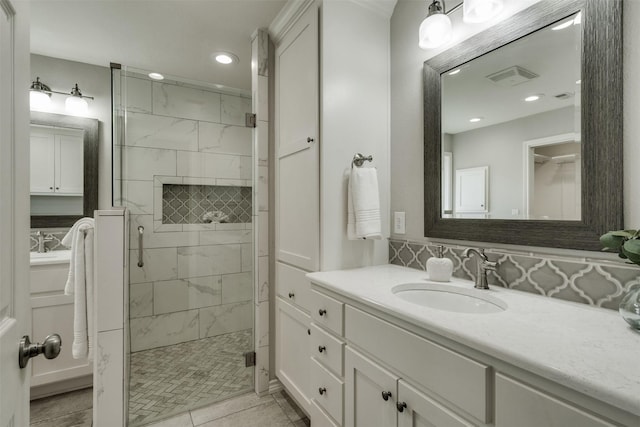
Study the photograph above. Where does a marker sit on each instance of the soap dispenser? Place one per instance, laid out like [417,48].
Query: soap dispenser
[439,269]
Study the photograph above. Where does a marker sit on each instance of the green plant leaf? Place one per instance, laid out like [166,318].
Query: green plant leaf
[631,249]
[623,233]
[612,241]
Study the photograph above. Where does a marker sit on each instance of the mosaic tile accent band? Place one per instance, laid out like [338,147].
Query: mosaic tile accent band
[198,204]
[597,284]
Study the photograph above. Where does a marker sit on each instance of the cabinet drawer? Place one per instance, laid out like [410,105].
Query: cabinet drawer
[519,404]
[293,286]
[327,390]
[427,364]
[319,418]
[326,349]
[420,406]
[327,312]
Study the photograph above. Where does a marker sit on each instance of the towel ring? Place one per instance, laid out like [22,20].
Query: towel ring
[359,159]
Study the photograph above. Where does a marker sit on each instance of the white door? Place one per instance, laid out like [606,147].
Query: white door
[14,209]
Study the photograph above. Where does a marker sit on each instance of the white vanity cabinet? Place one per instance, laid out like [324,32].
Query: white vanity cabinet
[293,302]
[56,161]
[394,376]
[52,312]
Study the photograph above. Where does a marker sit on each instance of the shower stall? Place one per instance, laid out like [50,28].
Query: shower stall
[183,162]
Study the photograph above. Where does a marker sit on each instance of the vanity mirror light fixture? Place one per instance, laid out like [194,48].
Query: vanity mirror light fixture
[436,29]
[40,98]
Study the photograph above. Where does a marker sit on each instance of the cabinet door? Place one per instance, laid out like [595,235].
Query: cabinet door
[292,351]
[42,165]
[69,165]
[416,409]
[298,164]
[367,385]
[519,404]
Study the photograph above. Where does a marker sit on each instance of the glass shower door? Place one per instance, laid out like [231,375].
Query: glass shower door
[182,165]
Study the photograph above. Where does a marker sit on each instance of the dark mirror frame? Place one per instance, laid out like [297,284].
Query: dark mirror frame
[90,128]
[601,129]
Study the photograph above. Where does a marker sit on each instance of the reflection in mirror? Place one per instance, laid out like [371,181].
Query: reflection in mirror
[63,169]
[510,129]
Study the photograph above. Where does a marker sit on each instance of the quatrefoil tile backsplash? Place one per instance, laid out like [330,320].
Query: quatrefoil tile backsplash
[600,284]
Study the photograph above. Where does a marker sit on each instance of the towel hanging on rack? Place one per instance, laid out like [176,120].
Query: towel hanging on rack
[363,200]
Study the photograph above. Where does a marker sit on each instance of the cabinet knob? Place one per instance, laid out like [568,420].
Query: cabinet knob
[386,395]
[322,312]
[309,140]
[308,331]
[322,390]
[57,188]
[291,295]
[321,348]
[401,406]
[50,188]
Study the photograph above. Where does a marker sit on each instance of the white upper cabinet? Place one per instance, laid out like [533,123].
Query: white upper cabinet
[298,166]
[57,166]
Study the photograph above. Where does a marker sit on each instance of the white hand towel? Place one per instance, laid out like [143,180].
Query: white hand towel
[363,216]
[80,285]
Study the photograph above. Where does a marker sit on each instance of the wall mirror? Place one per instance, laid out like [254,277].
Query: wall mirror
[63,169]
[523,129]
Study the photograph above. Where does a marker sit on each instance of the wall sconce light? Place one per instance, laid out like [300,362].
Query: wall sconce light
[40,98]
[436,29]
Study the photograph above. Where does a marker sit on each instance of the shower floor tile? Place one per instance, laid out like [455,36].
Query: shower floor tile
[174,379]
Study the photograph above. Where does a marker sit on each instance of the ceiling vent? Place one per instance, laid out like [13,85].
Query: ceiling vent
[512,76]
[563,96]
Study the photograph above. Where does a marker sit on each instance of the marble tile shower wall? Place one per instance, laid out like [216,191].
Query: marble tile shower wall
[197,279]
[593,282]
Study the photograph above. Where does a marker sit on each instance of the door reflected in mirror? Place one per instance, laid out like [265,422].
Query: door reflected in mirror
[511,129]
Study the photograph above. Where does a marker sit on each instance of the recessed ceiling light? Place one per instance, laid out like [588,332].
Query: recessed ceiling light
[475,119]
[563,25]
[156,76]
[533,98]
[454,72]
[225,58]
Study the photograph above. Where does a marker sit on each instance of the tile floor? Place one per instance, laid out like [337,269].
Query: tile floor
[276,410]
[174,379]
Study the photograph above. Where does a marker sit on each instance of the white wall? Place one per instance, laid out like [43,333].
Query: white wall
[354,119]
[500,147]
[61,75]
[407,109]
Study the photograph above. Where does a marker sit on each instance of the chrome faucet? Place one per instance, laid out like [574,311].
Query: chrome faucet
[482,266]
[42,239]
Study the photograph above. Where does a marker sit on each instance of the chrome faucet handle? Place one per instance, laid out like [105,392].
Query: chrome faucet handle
[489,266]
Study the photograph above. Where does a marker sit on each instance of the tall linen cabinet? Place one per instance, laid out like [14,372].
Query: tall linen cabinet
[331,102]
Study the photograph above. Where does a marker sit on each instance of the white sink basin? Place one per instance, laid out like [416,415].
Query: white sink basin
[449,298]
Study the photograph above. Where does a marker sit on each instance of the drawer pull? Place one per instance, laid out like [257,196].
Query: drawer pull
[308,331]
[321,348]
[322,312]
[386,395]
[401,406]
[291,295]
[322,390]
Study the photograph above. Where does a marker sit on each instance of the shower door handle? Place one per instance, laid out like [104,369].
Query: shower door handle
[140,246]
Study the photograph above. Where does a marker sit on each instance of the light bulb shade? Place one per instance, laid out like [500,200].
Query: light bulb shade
[39,101]
[475,11]
[435,31]
[76,105]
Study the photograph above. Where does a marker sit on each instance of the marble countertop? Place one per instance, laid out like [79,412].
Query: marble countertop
[591,350]
[48,258]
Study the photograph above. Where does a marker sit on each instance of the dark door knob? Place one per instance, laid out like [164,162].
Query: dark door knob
[50,348]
